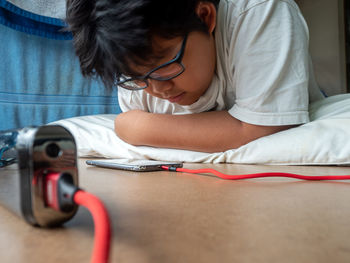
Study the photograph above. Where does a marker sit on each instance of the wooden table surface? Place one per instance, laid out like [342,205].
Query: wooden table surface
[178,217]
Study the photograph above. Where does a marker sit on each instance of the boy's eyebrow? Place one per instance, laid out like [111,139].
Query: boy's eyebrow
[160,51]
[153,59]
[166,50]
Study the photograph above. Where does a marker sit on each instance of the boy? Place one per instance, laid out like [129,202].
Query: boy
[199,75]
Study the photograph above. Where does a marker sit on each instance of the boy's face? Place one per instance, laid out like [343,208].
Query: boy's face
[199,60]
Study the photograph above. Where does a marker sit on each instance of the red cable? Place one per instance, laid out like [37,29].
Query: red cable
[100,216]
[258,175]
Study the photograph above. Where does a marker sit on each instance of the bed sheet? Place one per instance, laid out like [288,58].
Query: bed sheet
[325,140]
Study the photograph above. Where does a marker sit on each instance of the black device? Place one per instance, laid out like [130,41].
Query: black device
[26,156]
[133,165]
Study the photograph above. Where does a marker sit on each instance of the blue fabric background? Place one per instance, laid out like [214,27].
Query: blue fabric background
[40,79]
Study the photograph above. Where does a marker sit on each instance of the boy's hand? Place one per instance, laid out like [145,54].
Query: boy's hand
[214,131]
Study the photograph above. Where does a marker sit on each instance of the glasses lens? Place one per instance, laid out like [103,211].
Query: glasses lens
[167,72]
[134,84]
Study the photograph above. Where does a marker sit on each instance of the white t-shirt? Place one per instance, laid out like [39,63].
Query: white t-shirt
[264,73]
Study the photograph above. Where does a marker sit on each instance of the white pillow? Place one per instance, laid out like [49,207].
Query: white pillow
[323,141]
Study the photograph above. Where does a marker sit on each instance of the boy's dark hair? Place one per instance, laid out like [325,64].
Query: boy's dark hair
[109,34]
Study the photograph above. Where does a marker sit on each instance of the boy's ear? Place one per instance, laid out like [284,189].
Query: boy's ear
[206,11]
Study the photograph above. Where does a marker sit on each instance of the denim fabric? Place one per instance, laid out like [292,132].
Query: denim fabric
[40,79]
[21,20]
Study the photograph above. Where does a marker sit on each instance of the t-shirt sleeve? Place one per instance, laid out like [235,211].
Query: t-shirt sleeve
[131,100]
[270,59]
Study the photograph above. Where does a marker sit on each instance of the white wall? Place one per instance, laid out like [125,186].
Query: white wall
[325,19]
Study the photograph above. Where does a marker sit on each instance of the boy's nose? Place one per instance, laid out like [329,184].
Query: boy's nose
[160,87]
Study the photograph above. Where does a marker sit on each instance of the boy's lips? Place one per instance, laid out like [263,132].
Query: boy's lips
[176,98]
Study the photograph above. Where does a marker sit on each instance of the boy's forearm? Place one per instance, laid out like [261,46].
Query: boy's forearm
[206,132]
[191,132]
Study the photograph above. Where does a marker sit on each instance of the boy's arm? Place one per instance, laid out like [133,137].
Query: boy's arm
[214,131]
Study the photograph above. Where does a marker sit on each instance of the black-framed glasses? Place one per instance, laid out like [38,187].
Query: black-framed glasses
[166,71]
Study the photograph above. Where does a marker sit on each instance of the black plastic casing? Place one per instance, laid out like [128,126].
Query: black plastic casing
[38,151]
